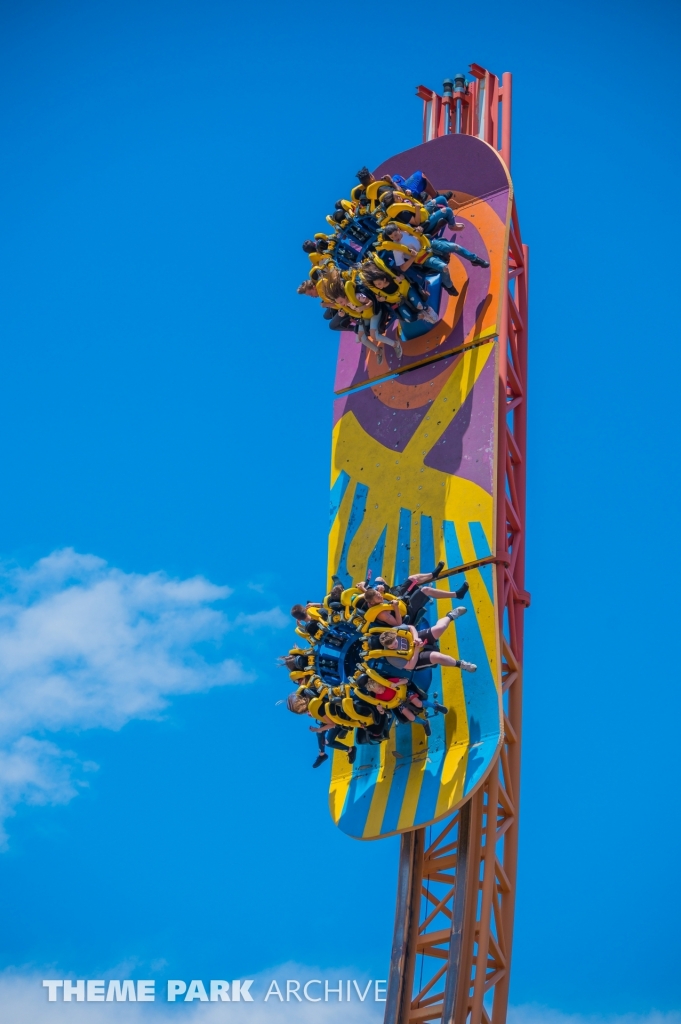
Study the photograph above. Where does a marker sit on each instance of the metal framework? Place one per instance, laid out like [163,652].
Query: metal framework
[451,956]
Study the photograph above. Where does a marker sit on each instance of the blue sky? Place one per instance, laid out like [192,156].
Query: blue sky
[165,411]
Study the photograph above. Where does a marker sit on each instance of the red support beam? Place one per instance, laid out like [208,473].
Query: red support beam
[478,110]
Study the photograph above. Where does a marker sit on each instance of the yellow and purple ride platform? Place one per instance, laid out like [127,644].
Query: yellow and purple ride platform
[413,482]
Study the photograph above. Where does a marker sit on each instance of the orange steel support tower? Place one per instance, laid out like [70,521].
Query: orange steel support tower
[451,955]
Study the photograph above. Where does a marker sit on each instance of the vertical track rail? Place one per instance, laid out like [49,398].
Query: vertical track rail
[451,957]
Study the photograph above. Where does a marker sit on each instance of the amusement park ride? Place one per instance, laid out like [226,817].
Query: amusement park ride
[428,465]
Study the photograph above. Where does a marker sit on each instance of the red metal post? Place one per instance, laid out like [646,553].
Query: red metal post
[493,111]
[426,95]
[506,105]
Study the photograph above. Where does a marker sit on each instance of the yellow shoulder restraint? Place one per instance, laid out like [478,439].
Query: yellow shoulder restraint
[384,652]
[351,712]
[306,652]
[314,684]
[396,208]
[371,698]
[391,246]
[315,707]
[306,636]
[344,724]
[400,286]
[339,691]
[358,312]
[425,248]
[371,614]
[372,191]
[334,614]
[414,207]
[347,599]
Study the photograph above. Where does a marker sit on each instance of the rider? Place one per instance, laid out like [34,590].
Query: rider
[406,252]
[427,651]
[413,590]
[395,291]
[327,732]
[390,613]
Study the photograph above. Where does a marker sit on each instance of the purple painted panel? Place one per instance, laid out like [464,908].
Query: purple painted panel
[393,421]
[476,167]
[391,411]
[466,448]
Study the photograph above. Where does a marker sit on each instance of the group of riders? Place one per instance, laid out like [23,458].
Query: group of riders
[389,654]
[373,268]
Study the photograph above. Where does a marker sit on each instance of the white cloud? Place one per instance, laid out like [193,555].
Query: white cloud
[36,772]
[534,1014]
[273,618]
[84,645]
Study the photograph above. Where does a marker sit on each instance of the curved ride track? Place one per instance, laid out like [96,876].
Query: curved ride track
[413,482]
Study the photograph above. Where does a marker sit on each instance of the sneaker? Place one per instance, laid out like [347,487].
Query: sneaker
[467,666]
[398,349]
[451,290]
[479,262]
[440,708]
[352,752]
[456,613]
[321,758]
[462,591]
[437,570]
[425,723]
[429,315]
[379,356]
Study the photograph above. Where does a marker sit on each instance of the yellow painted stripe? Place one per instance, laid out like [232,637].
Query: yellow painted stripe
[340,524]
[415,780]
[379,800]
[400,480]
[339,785]
[453,779]
[486,616]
